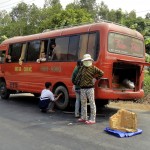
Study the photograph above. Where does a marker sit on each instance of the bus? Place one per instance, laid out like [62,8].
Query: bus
[116,49]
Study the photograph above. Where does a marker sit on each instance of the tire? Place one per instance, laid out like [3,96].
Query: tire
[4,92]
[63,102]
[101,103]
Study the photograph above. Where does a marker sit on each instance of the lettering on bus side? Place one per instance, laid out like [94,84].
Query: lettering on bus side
[17,69]
[44,69]
[51,69]
[55,69]
[25,69]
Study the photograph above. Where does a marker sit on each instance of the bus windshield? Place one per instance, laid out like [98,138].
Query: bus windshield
[126,45]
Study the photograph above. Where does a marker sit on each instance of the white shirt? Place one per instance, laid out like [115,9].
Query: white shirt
[47,94]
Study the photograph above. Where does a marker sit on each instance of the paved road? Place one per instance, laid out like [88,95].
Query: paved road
[23,127]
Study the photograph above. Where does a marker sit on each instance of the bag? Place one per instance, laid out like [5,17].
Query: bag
[77,79]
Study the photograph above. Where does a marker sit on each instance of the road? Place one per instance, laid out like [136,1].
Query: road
[24,127]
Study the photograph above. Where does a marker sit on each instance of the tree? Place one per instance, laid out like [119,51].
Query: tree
[102,11]
[147,16]
[51,3]
[70,17]
[147,45]
[5,18]
[89,5]
[19,15]
[2,38]
[34,19]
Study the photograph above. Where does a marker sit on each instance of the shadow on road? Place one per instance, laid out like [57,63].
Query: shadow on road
[31,101]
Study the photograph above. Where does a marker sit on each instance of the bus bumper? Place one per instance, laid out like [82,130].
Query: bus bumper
[117,94]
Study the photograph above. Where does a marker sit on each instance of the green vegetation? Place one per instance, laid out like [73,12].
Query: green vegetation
[147,84]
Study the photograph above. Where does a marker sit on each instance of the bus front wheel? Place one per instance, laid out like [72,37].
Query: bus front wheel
[4,92]
[63,101]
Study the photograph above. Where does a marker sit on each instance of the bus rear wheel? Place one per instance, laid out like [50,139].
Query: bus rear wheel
[63,101]
[4,92]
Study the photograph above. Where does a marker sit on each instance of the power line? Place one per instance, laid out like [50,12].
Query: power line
[12,4]
[5,2]
[142,11]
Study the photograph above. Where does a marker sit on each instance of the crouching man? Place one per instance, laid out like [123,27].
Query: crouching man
[47,99]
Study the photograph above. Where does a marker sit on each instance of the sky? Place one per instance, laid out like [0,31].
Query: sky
[142,7]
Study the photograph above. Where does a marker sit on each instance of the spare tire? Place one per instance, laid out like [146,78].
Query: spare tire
[63,101]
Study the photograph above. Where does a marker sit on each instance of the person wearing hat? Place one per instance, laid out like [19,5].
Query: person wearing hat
[87,73]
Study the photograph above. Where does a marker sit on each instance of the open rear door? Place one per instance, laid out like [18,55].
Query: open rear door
[134,62]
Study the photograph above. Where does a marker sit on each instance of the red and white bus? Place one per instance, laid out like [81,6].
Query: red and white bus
[117,50]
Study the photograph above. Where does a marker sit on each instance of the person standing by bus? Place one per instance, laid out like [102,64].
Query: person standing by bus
[47,99]
[87,73]
[77,89]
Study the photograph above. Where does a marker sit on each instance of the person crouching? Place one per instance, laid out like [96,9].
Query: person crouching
[47,99]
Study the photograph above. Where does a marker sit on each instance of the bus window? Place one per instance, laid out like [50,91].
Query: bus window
[125,45]
[33,50]
[73,48]
[15,51]
[61,49]
[92,45]
[83,45]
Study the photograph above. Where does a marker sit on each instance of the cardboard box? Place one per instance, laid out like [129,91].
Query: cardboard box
[124,120]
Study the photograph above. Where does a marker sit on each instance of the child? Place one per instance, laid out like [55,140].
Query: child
[47,99]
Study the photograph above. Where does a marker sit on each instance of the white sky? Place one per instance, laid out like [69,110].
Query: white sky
[142,7]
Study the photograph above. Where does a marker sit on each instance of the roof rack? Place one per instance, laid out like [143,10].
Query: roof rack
[98,21]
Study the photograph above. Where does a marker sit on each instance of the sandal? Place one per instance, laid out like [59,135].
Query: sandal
[77,116]
[81,120]
[51,111]
[90,122]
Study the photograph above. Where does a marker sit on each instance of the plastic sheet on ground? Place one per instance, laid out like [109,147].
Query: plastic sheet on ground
[122,134]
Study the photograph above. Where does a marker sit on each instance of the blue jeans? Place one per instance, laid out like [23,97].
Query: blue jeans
[78,101]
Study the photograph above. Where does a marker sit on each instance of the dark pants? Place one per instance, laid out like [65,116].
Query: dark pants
[46,104]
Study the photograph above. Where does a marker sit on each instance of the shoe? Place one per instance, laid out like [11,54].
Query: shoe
[88,122]
[77,116]
[51,111]
[81,120]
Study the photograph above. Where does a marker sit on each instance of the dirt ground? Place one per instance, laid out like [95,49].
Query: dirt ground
[143,104]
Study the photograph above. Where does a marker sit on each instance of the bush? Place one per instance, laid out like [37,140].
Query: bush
[146,84]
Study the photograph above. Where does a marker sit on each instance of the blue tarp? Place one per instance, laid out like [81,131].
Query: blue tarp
[121,133]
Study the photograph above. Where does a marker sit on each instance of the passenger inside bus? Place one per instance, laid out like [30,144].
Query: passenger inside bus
[42,58]
[8,58]
[51,51]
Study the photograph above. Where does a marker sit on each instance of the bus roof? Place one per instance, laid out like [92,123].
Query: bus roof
[75,30]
